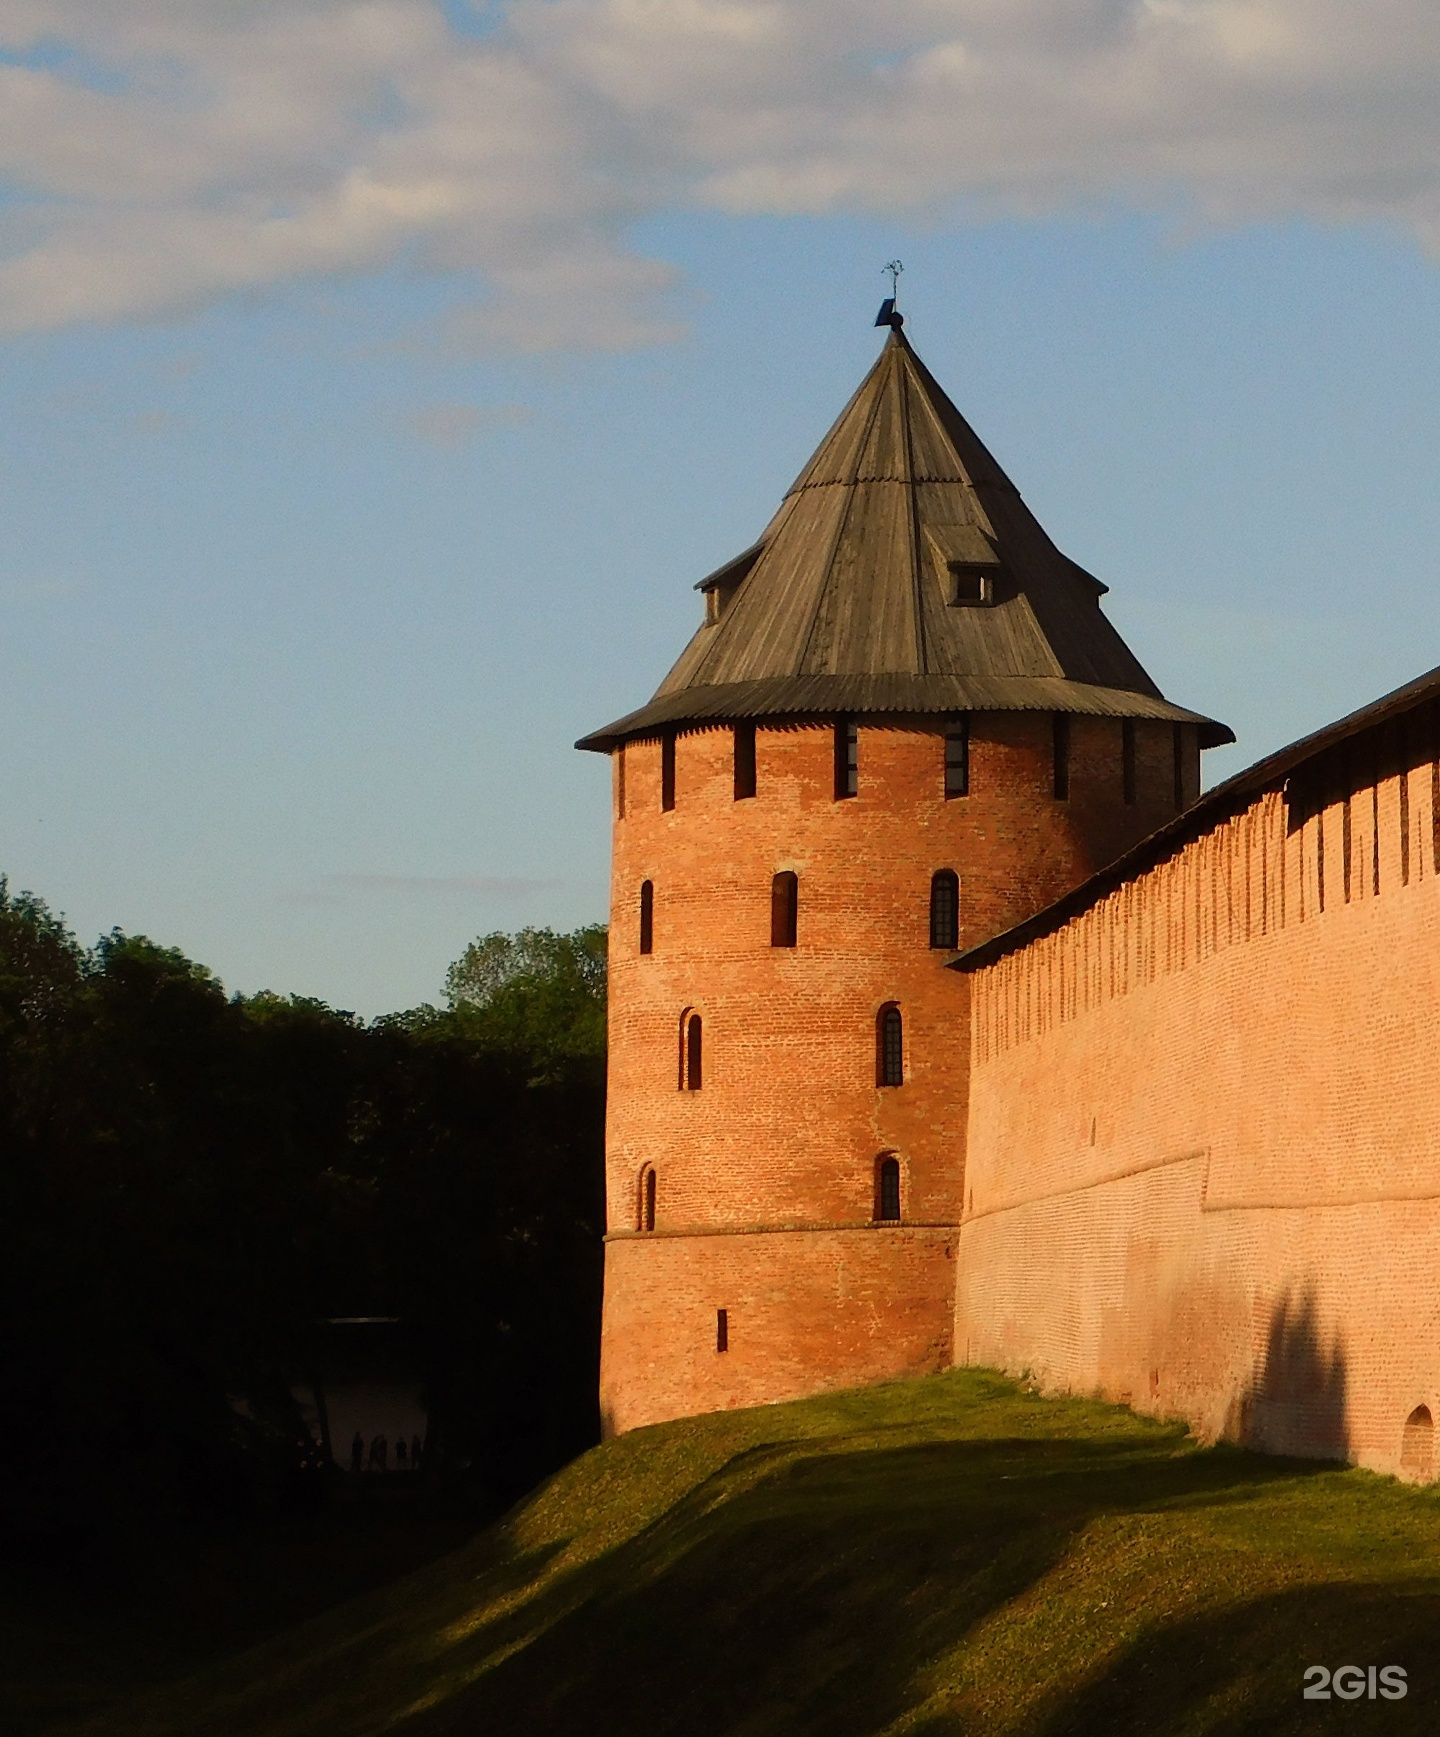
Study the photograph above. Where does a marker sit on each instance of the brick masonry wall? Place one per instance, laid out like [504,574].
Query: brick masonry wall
[1204,1136]
[806,1311]
[780,1144]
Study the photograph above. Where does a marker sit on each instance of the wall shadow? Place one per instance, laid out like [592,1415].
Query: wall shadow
[1242,1670]
[1296,1401]
[815,1597]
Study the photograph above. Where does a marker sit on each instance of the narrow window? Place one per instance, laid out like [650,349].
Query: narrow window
[1347,845]
[647,916]
[784,909]
[847,758]
[889,1047]
[1320,857]
[722,1329]
[1403,757]
[945,909]
[1062,756]
[1179,754]
[887,1188]
[1435,792]
[667,770]
[744,761]
[693,1044]
[1127,759]
[684,1040]
[1375,834]
[957,758]
[620,782]
[1405,826]
[647,1198]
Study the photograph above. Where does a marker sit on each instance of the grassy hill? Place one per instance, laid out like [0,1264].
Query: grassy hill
[934,1557]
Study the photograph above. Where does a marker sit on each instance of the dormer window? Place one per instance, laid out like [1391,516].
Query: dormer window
[718,593]
[721,585]
[970,563]
[974,586]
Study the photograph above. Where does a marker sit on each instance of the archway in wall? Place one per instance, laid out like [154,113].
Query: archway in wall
[1417,1445]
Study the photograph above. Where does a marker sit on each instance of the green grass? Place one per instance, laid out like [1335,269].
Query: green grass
[934,1557]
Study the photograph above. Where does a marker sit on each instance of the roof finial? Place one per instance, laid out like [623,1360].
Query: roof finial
[888,316]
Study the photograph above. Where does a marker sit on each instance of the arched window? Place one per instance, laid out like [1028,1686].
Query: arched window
[691,1040]
[1127,761]
[784,909]
[647,1198]
[1417,1443]
[945,909]
[887,1188]
[889,1047]
[647,916]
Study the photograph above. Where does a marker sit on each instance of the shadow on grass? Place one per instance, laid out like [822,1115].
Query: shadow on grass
[1243,1670]
[86,1628]
[811,1599]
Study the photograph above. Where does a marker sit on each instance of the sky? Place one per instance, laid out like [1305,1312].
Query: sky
[378,376]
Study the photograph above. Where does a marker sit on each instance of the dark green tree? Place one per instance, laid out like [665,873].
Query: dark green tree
[538,993]
[190,1182]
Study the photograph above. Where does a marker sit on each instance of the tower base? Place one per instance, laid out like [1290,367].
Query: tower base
[806,1310]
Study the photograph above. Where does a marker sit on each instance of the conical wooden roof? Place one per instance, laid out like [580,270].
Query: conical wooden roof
[845,604]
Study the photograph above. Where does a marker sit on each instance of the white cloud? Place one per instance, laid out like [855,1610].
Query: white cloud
[163,153]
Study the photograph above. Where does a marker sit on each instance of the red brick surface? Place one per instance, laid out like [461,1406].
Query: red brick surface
[780,1144]
[1204,1135]
[806,1311]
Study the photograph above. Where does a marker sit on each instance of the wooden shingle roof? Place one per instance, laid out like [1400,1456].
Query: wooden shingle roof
[844,604]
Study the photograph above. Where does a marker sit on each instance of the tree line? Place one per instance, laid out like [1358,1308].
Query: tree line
[192,1183]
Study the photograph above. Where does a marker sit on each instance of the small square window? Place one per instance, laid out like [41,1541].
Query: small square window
[971,587]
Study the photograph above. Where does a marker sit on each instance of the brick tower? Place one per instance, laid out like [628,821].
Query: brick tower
[903,725]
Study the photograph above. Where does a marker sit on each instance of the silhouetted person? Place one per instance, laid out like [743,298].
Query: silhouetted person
[378,1452]
[357,1452]
[400,1465]
[415,1452]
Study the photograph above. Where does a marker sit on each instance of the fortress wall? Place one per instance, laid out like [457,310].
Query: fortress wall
[1204,1137]
[789,1122]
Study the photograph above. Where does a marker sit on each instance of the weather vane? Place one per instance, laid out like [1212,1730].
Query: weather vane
[887,315]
